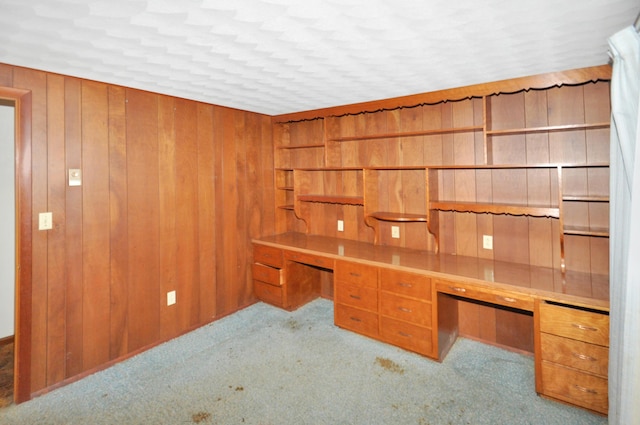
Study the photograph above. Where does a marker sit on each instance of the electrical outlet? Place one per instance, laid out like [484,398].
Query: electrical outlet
[395,232]
[45,221]
[487,241]
[340,226]
[171,297]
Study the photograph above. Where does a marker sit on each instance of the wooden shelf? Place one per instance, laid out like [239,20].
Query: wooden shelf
[495,209]
[400,217]
[332,199]
[571,198]
[545,129]
[408,134]
[586,231]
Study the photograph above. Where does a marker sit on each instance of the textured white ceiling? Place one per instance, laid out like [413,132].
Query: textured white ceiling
[281,56]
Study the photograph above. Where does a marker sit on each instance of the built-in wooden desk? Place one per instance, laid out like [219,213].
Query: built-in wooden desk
[409,298]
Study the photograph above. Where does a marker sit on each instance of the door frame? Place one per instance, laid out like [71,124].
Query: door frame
[23,241]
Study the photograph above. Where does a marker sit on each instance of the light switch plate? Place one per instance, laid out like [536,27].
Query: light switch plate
[171,297]
[487,241]
[75,177]
[395,232]
[340,226]
[45,221]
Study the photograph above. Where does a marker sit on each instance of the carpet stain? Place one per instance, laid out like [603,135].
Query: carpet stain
[200,417]
[293,324]
[389,365]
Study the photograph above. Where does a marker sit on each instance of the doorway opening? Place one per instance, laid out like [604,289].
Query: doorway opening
[7,250]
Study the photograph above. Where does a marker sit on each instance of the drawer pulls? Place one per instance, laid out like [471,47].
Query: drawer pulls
[457,289]
[354,274]
[585,390]
[405,285]
[355,297]
[507,299]
[355,319]
[404,334]
[584,357]
[404,309]
[584,327]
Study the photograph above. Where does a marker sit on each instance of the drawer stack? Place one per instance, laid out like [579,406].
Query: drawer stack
[356,297]
[268,275]
[574,355]
[405,311]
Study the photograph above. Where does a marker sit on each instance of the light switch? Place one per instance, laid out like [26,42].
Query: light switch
[45,221]
[75,177]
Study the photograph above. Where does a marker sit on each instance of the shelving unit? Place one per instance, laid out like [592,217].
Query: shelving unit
[524,166]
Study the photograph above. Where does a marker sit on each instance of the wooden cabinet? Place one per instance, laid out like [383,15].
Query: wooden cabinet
[572,361]
[283,278]
[405,311]
[356,297]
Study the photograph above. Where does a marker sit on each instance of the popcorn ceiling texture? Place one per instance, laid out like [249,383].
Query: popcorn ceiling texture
[282,56]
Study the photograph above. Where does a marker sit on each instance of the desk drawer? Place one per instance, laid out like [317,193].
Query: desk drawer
[311,259]
[360,321]
[356,296]
[493,296]
[404,283]
[406,335]
[575,387]
[407,309]
[356,273]
[588,326]
[268,255]
[269,293]
[268,274]
[577,354]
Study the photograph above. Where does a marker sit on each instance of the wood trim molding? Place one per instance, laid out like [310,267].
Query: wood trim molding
[6,340]
[570,77]
[22,375]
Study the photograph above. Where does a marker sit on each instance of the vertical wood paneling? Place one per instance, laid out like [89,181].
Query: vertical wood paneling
[219,118]
[169,323]
[96,235]
[167,197]
[243,288]
[56,273]
[143,219]
[73,234]
[207,212]
[6,75]
[186,192]
[37,83]
[119,255]
[227,293]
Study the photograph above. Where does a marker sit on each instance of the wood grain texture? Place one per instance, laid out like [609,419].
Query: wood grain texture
[36,82]
[56,335]
[143,216]
[22,101]
[119,255]
[73,234]
[95,207]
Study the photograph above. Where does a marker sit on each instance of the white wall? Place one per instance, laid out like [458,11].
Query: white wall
[7,220]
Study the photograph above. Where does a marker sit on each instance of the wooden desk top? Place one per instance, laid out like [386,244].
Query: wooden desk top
[584,289]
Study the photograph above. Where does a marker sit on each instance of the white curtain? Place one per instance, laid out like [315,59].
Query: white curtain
[624,356]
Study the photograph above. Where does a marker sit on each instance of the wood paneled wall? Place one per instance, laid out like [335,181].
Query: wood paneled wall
[172,193]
